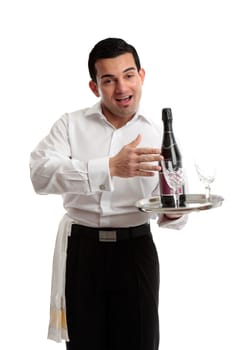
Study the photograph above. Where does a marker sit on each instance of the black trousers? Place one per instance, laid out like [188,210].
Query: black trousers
[112,293]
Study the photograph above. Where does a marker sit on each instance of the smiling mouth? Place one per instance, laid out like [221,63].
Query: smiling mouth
[124,99]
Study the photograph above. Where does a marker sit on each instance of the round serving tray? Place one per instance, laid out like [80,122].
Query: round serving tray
[193,202]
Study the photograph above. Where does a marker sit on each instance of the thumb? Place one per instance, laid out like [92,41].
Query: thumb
[136,141]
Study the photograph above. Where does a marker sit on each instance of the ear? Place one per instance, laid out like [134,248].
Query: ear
[94,88]
[142,74]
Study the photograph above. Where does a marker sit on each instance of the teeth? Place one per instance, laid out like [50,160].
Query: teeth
[123,98]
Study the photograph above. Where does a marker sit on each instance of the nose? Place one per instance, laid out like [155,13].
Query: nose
[120,86]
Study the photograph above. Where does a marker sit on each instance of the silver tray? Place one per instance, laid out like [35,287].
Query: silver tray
[193,202]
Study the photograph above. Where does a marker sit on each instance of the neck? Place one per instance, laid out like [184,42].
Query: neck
[117,121]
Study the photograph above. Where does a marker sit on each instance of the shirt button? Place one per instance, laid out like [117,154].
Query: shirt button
[102,187]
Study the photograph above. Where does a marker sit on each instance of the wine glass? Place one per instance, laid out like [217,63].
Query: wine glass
[206,173]
[174,176]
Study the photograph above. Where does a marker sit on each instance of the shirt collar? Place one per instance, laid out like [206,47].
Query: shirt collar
[96,110]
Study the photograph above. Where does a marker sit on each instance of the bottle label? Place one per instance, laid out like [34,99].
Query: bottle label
[164,188]
[167,193]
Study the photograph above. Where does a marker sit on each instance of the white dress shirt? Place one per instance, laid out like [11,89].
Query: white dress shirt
[73,161]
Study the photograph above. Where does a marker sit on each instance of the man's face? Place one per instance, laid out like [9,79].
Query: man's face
[119,85]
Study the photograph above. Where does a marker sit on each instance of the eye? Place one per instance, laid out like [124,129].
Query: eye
[130,75]
[108,81]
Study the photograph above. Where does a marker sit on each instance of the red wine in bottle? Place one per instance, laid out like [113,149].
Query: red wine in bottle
[171,152]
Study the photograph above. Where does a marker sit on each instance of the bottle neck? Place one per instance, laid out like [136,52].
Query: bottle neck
[168,126]
[169,141]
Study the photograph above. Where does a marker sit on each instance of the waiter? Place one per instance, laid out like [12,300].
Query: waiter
[102,159]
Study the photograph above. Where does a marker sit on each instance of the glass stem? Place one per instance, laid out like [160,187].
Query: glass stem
[207,192]
[176,197]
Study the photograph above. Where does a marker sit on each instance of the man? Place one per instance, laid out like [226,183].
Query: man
[103,159]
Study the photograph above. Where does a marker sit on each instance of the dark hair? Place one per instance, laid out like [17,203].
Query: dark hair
[110,48]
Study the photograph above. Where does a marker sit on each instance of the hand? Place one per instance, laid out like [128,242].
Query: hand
[134,161]
[172,216]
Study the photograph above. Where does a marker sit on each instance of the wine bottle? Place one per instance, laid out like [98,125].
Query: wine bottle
[171,152]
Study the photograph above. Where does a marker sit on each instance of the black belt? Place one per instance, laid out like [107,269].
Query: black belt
[109,234]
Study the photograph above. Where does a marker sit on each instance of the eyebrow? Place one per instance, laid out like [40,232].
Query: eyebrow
[112,75]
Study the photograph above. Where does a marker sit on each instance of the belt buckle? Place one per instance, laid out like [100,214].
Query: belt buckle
[107,236]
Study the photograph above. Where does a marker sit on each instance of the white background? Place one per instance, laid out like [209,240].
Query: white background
[186,48]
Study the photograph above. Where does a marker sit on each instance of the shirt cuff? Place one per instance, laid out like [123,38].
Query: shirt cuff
[176,224]
[99,176]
